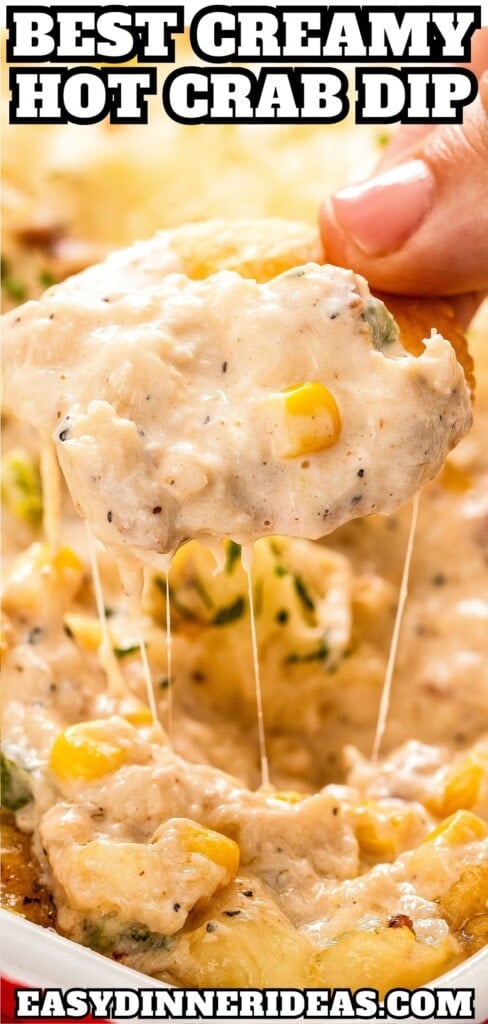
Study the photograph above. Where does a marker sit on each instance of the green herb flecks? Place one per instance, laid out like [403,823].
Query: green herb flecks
[21,486]
[46,279]
[108,934]
[180,608]
[124,652]
[384,328]
[303,594]
[15,784]
[230,612]
[319,653]
[382,139]
[14,288]
[233,555]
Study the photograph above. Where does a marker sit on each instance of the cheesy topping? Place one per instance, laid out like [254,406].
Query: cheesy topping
[225,407]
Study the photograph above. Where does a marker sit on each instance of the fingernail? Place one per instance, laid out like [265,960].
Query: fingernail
[380,214]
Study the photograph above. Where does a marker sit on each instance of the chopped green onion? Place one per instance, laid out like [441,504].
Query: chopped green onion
[229,613]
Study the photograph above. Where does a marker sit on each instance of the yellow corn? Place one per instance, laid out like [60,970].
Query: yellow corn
[81,752]
[64,559]
[85,629]
[134,711]
[217,847]
[461,788]
[461,827]
[307,419]
[382,832]
[39,570]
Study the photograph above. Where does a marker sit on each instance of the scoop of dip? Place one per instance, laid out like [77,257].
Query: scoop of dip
[224,407]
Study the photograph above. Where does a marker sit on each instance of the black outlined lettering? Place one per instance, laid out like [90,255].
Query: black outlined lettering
[82,95]
[457,1003]
[397,1003]
[110,34]
[273,1004]
[413,96]
[238,96]
[30,34]
[222,33]
[27,1002]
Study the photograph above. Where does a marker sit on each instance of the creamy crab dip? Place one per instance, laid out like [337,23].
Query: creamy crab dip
[225,407]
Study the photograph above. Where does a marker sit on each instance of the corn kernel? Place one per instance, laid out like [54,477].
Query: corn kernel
[134,711]
[461,788]
[85,629]
[461,827]
[38,571]
[217,847]
[306,419]
[65,558]
[384,830]
[78,753]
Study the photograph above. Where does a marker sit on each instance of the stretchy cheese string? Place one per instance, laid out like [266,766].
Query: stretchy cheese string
[51,491]
[402,597]
[263,757]
[116,682]
[117,685]
[146,672]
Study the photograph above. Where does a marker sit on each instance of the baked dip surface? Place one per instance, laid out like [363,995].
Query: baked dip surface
[156,840]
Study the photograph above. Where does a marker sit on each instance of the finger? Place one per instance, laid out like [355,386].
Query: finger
[408,136]
[421,227]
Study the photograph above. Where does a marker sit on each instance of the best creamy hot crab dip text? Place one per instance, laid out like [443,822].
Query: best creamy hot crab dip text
[162,851]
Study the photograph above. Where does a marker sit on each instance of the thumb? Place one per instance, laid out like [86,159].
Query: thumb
[420,227]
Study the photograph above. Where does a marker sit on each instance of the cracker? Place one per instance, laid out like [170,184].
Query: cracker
[263,248]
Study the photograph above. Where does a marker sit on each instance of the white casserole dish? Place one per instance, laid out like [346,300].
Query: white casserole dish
[40,958]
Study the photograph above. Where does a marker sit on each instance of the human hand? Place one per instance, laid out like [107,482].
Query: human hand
[419,226]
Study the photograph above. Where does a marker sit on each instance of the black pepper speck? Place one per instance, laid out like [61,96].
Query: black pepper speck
[64,435]
[34,635]
[109,516]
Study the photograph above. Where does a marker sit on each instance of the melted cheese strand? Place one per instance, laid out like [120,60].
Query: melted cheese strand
[263,757]
[169,665]
[132,576]
[146,671]
[51,490]
[116,683]
[402,597]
